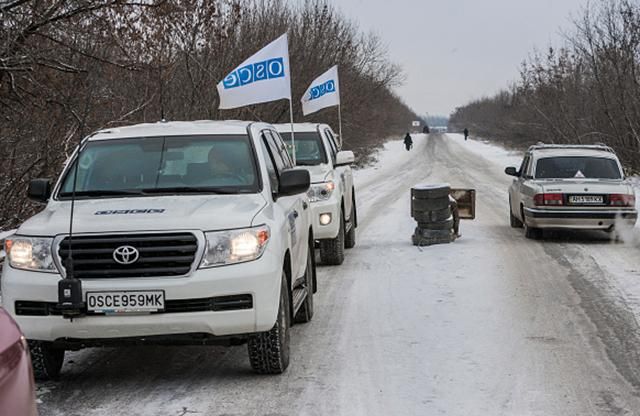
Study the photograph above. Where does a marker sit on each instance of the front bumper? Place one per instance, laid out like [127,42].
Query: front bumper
[329,231]
[579,218]
[260,279]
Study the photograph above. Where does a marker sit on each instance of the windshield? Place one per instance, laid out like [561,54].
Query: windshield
[309,148]
[156,165]
[577,167]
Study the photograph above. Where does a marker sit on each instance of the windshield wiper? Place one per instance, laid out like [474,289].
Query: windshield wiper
[103,192]
[195,190]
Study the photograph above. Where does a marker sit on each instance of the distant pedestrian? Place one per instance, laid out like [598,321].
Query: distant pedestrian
[408,141]
[466,133]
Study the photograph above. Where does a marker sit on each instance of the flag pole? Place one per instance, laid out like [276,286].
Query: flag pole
[340,125]
[293,139]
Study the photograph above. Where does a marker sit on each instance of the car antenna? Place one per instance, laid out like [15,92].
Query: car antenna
[70,300]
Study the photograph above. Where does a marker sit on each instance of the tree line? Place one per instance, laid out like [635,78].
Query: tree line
[587,91]
[69,67]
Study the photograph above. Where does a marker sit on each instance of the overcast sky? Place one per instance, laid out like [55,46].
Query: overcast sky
[453,51]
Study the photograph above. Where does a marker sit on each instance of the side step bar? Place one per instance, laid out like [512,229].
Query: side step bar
[299,295]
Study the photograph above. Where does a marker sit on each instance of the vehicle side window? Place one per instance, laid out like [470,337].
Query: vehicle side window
[525,166]
[274,150]
[332,145]
[282,148]
[271,169]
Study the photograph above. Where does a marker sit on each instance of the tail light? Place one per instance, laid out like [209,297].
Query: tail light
[622,200]
[548,199]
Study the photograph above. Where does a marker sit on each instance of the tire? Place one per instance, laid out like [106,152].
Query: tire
[269,351]
[432,234]
[426,205]
[433,216]
[513,220]
[350,236]
[46,360]
[430,191]
[430,237]
[440,225]
[531,233]
[305,313]
[332,251]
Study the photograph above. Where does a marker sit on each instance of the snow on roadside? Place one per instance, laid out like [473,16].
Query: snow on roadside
[490,151]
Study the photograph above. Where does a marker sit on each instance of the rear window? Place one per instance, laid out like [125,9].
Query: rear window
[577,167]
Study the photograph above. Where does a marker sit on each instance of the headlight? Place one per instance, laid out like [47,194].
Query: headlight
[321,191]
[234,246]
[30,253]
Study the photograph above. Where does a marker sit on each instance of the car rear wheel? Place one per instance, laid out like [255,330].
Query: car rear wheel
[531,233]
[269,351]
[47,361]
[305,313]
[513,220]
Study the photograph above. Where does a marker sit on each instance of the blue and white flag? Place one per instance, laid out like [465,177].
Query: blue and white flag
[262,78]
[324,92]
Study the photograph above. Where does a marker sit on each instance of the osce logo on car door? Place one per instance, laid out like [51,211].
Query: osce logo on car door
[260,71]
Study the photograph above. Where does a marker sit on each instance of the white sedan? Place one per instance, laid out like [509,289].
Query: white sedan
[570,187]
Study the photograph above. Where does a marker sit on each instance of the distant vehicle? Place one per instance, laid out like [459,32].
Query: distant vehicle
[570,187]
[332,192]
[201,235]
[17,387]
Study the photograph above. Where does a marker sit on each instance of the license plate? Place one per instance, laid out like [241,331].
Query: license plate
[125,302]
[586,199]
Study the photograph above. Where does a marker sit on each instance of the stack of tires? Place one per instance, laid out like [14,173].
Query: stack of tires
[431,209]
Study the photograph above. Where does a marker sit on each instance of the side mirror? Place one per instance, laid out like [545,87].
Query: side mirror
[511,171]
[345,158]
[294,181]
[39,190]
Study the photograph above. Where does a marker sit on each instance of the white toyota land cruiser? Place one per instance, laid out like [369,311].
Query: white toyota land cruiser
[183,232]
[332,193]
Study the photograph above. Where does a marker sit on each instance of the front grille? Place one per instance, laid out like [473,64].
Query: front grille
[215,304]
[159,255]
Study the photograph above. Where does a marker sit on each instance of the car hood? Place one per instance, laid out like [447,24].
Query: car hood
[318,173]
[586,186]
[184,212]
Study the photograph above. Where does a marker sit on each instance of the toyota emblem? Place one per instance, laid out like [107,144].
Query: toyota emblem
[126,255]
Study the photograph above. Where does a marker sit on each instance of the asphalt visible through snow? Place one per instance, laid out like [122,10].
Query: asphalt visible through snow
[492,324]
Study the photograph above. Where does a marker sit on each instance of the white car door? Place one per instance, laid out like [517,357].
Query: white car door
[293,206]
[344,175]
[517,188]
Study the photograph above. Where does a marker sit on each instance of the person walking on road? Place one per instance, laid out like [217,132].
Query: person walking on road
[408,142]
[466,133]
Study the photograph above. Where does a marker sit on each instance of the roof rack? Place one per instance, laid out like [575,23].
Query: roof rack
[596,146]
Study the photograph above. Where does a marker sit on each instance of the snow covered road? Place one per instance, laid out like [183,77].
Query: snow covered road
[493,324]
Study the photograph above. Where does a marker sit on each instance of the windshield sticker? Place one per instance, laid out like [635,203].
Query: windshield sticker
[579,174]
[130,211]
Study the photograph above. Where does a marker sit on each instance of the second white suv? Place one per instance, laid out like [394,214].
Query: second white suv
[332,192]
[184,232]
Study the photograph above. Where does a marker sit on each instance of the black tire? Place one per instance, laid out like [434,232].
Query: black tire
[305,313]
[427,205]
[46,360]
[430,191]
[440,225]
[513,220]
[422,232]
[332,250]
[350,236]
[433,216]
[269,351]
[531,233]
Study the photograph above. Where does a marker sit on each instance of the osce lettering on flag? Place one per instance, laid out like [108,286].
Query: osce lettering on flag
[324,92]
[262,78]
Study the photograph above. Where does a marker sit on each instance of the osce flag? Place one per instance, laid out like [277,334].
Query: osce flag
[324,92]
[262,78]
